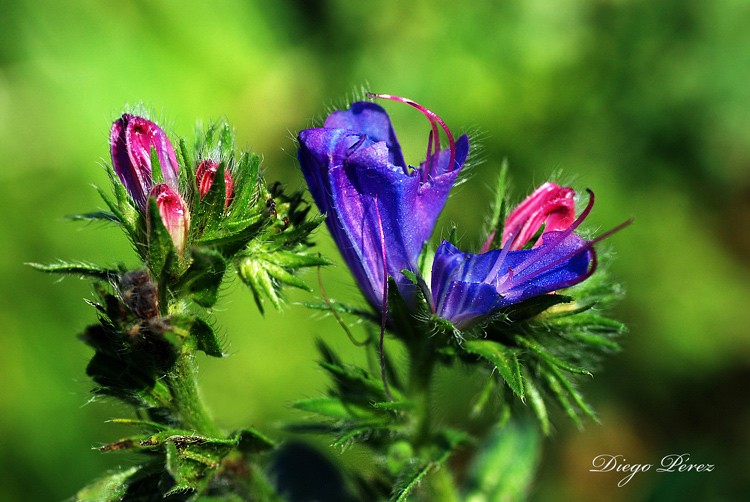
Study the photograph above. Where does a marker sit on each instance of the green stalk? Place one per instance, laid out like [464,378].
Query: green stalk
[420,376]
[186,399]
[442,485]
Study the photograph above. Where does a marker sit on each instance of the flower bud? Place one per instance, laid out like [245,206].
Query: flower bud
[131,141]
[204,178]
[174,214]
[550,205]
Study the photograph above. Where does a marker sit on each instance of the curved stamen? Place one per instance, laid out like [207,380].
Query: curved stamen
[559,236]
[384,308]
[586,247]
[433,118]
[494,273]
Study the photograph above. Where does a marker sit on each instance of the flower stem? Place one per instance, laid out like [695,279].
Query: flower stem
[422,367]
[186,400]
[443,487]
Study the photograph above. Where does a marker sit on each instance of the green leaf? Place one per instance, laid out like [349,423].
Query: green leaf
[567,385]
[203,278]
[343,308]
[112,488]
[394,405]
[291,259]
[331,407]
[443,445]
[253,273]
[499,208]
[505,360]
[226,141]
[107,216]
[194,460]
[532,307]
[505,466]
[549,358]
[205,338]
[537,404]
[250,440]
[562,398]
[76,268]
[188,163]
[210,209]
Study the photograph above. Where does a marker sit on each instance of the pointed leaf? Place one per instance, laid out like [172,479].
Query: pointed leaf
[205,338]
[503,358]
[537,404]
[80,269]
[549,358]
[253,441]
[203,278]
[505,466]
[331,407]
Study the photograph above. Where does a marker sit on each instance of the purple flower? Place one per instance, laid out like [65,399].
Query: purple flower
[131,141]
[469,286]
[174,214]
[379,211]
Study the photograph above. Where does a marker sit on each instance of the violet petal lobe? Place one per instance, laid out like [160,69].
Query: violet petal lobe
[372,121]
[358,179]
[460,280]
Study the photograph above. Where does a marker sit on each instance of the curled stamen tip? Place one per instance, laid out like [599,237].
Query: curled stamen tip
[432,117]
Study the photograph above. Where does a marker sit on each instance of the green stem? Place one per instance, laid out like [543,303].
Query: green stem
[441,483]
[443,486]
[420,377]
[186,399]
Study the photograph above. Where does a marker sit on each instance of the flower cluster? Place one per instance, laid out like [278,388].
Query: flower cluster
[142,155]
[381,213]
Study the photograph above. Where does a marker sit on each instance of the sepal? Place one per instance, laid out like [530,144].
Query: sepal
[184,465]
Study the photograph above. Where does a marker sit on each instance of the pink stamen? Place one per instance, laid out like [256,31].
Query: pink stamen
[561,236]
[384,308]
[499,263]
[589,245]
[433,118]
[428,158]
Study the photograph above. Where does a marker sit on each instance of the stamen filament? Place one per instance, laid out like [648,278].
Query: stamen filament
[433,118]
[589,245]
[384,308]
[562,235]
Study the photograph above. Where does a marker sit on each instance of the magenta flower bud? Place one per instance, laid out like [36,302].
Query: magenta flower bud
[174,214]
[131,141]
[204,178]
[550,205]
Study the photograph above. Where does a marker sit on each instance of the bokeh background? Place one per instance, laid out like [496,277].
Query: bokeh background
[646,102]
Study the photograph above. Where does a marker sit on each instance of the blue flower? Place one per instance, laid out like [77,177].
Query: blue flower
[379,211]
[467,287]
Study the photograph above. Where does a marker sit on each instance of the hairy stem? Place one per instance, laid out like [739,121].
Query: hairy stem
[186,399]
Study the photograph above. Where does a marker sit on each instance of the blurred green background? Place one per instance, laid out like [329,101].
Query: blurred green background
[646,102]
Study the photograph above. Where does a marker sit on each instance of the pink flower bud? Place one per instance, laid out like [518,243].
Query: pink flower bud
[205,175]
[131,141]
[174,214]
[550,205]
